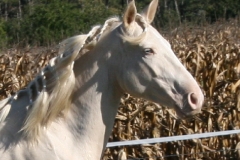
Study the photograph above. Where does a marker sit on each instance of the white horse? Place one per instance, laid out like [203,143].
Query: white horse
[67,112]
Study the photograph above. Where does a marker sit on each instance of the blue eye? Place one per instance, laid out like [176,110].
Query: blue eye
[148,51]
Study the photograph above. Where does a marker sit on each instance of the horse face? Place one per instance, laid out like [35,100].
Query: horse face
[152,71]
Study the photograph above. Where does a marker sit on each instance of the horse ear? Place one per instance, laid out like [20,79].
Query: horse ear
[129,15]
[150,11]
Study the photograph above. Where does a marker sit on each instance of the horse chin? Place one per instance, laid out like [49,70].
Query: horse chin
[181,114]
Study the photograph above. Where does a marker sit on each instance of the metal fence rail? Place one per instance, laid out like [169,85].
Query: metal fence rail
[172,138]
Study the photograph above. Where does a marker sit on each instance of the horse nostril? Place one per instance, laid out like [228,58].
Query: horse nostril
[193,100]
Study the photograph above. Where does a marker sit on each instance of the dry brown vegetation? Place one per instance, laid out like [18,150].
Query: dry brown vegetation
[211,54]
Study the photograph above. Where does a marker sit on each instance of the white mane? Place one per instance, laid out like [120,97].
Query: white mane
[50,92]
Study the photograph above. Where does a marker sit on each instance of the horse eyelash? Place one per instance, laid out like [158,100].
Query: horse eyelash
[148,51]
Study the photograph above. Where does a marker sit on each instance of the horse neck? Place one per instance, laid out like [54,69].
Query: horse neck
[95,99]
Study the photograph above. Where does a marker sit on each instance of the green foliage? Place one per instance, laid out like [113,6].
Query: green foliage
[223,9]
[47,22]
[3,34]
[52,22]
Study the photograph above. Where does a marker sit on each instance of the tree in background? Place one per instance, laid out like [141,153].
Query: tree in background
[46,22]
[3,34]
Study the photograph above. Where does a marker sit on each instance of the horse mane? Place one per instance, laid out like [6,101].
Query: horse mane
[50,93]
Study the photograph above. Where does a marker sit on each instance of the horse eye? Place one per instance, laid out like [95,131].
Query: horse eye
[148,51]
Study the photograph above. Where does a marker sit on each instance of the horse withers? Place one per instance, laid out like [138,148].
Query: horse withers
[68,110]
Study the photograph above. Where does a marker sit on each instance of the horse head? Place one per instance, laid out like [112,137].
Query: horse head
[149,67]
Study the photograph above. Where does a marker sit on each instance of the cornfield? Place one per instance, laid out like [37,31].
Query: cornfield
[211,54]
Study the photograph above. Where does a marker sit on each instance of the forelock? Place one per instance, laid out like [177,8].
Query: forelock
[135,40]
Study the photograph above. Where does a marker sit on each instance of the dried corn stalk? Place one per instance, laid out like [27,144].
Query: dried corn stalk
[211,54]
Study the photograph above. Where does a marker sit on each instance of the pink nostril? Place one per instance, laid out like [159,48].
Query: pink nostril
[193,100]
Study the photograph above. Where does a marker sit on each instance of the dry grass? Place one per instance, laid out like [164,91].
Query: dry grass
[211,54]
[18,68]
